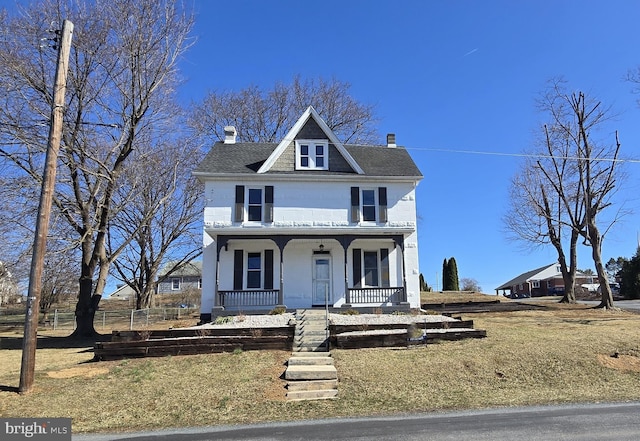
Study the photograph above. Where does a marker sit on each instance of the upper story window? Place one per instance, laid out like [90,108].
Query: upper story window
[312,155]
[258,206]
[254,208]
[368,204]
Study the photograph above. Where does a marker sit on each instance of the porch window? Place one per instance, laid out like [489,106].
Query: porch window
[252,270]
[312,155]
[370,268]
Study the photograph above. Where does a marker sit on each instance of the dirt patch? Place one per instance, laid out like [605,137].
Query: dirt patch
[84,371]
[275,389]
[626,363]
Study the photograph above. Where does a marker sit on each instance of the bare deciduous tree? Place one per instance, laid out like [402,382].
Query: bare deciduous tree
[266,115]
[569,185]
[122,78]
[543,206]
[163,216]
[469,284]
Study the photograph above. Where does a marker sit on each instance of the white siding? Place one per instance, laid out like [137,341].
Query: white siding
[310,207]
[310,204]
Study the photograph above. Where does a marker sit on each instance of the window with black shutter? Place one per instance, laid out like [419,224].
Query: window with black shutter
[239,209]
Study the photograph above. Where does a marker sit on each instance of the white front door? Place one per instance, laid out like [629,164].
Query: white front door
[321,281]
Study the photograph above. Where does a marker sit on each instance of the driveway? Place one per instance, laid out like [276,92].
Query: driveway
[630,305]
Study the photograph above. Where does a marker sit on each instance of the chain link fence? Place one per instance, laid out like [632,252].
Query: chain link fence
[104,321]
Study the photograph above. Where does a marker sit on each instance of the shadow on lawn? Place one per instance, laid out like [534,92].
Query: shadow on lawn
[47,342]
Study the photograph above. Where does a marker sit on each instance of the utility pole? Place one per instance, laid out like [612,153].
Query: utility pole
[29,341]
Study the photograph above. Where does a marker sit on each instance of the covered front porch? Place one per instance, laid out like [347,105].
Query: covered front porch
[260,273]
[275,297]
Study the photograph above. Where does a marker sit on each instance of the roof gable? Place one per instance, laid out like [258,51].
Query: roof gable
[525,277]
[303,128]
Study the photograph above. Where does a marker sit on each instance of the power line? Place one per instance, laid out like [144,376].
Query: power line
[521,155]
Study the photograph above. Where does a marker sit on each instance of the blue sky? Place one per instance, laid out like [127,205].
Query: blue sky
[445,76]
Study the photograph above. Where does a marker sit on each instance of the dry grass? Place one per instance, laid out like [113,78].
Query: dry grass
[458,297]
[529,357]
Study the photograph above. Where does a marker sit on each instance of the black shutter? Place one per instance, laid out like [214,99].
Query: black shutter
[268,269]
[384,267]
[239,215]
[238,258]
[268,203]
[357,267]
[382,201]
[355,204]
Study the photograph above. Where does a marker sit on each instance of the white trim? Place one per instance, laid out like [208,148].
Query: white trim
[275,177]
[311,155]
[291,135]
[314,259]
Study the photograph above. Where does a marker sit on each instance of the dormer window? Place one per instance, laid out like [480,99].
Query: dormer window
[312,155]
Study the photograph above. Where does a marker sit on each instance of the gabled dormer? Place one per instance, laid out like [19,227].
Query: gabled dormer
[310,145]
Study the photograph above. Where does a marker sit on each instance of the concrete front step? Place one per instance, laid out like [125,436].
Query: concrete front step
[302,329]
[311,333]
[311,348]
[310,361]
[310,354]
[311,373]
[312,395]
[296,386]
[301,339]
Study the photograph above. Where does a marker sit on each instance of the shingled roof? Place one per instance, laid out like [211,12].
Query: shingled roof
[231,157]
[247,158]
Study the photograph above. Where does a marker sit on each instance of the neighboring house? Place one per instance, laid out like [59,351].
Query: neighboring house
[122,292]
[544,281]
[9,292]
[308,221]
[188,276]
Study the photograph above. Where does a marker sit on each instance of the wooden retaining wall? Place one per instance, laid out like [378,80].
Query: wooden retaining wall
[130,344]
[339,329]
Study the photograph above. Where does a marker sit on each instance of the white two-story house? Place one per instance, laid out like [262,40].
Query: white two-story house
[308,222]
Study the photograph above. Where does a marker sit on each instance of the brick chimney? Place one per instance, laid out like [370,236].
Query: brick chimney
[391,140]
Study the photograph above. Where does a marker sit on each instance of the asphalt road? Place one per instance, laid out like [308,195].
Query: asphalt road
[631,305]
[618,422]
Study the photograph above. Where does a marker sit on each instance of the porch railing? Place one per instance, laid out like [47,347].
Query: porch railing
[238,298]
[377,295]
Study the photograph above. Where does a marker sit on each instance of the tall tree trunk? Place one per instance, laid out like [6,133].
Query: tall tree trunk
[606,299]
[86,307]
[569,277]
[89,296]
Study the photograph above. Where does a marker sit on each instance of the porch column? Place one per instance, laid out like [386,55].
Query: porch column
[400,242]
[216,297]
[347,294]
[281,242]
[346,241]
[221,242]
